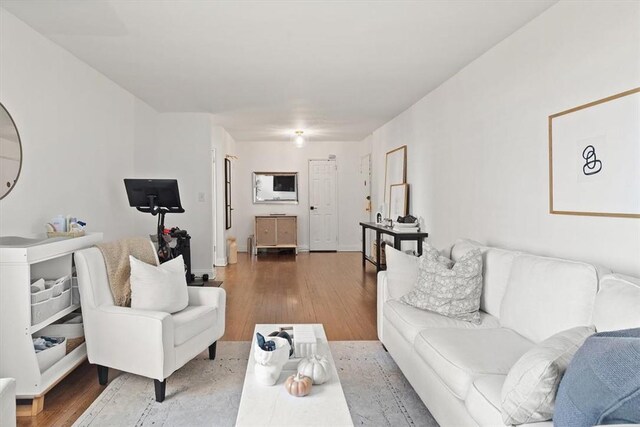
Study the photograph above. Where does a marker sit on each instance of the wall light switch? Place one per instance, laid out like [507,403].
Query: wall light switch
[201,197]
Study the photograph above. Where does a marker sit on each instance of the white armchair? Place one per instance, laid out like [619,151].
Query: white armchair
[149,343]
[7,402]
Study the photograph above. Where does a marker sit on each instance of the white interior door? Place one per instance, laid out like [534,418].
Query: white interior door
[323,205]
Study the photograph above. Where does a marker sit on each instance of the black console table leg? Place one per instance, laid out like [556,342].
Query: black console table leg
[364,246]
[378,251]
[419,247]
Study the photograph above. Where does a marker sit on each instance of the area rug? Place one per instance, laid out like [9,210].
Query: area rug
[207,393]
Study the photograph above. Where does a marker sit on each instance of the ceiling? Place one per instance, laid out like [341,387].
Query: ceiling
[336,69]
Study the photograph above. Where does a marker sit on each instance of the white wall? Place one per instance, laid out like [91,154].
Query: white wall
[478,144]
[82,135]
[78,130]
[224,145]
[181,150]
[285,157]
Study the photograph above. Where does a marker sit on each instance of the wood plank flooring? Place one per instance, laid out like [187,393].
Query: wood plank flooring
[328,288]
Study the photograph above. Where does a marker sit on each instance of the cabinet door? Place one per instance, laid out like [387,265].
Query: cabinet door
[265,231]
[287,229]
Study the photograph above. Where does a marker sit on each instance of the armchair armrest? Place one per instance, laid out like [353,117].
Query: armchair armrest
[136,341]
[212,297]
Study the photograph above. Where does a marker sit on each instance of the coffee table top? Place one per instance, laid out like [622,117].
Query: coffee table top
[272,405]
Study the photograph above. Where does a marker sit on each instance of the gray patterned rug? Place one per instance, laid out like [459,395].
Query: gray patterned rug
[207,393]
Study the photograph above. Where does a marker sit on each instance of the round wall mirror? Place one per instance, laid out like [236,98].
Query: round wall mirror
[10,153]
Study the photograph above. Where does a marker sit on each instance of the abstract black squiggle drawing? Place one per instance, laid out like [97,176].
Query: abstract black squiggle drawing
[592,165]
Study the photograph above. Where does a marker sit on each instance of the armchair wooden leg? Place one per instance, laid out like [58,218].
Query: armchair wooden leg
[103,374]
[212,351]
[161,388]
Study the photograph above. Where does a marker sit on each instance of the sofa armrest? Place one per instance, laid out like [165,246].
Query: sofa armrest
[383,297]
[131,340]
[7,402]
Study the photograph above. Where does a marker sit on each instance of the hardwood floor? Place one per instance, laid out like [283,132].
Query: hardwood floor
[328,288]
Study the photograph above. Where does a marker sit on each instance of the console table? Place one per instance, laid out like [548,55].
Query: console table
[398,238]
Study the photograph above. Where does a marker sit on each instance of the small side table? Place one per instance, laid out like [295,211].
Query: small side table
[398,238]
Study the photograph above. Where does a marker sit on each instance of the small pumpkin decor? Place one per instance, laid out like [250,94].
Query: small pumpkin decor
[318,368]
[298,385]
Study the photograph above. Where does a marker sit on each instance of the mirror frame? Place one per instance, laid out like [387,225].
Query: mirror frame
[275,202]
[15,181]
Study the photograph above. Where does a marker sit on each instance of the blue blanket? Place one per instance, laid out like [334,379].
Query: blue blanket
[602,382]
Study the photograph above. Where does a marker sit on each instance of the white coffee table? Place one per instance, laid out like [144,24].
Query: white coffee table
[262,405]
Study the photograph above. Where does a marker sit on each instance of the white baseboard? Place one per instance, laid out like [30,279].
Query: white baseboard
[221,262]
[350,248]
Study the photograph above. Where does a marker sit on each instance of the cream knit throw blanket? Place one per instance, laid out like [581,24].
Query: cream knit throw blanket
[116,259]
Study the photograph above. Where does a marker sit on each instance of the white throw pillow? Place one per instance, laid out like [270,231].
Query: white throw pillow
[402,272]
[452,290]
[529,391]
[161,288]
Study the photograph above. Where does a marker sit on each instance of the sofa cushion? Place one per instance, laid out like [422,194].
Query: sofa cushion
[483,400]
[617,303]
[496,267]
[548,295]
[410,321]
[402,272]
[460,355]
[191,321]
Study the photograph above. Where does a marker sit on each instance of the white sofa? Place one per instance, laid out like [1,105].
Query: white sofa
[458,368]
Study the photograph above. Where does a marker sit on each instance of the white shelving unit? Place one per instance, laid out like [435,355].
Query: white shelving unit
[19,266]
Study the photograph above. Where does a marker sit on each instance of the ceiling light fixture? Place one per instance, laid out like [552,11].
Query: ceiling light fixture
[299,139]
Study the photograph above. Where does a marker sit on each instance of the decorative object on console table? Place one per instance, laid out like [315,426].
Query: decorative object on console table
[594,158]
[399,201]
[395,170]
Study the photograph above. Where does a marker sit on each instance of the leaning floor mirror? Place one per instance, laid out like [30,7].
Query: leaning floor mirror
[395,170]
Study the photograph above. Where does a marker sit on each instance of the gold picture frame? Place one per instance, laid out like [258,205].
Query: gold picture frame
[395,169]
[572,178]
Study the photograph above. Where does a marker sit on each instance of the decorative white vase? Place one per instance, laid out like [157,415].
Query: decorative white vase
[269,364]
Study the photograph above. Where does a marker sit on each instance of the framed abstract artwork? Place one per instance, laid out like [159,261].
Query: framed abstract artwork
[594,158]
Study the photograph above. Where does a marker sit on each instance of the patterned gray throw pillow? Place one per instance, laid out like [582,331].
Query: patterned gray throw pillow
[450,291]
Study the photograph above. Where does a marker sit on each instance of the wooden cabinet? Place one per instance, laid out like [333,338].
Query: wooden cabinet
[276,232]
[265,231]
